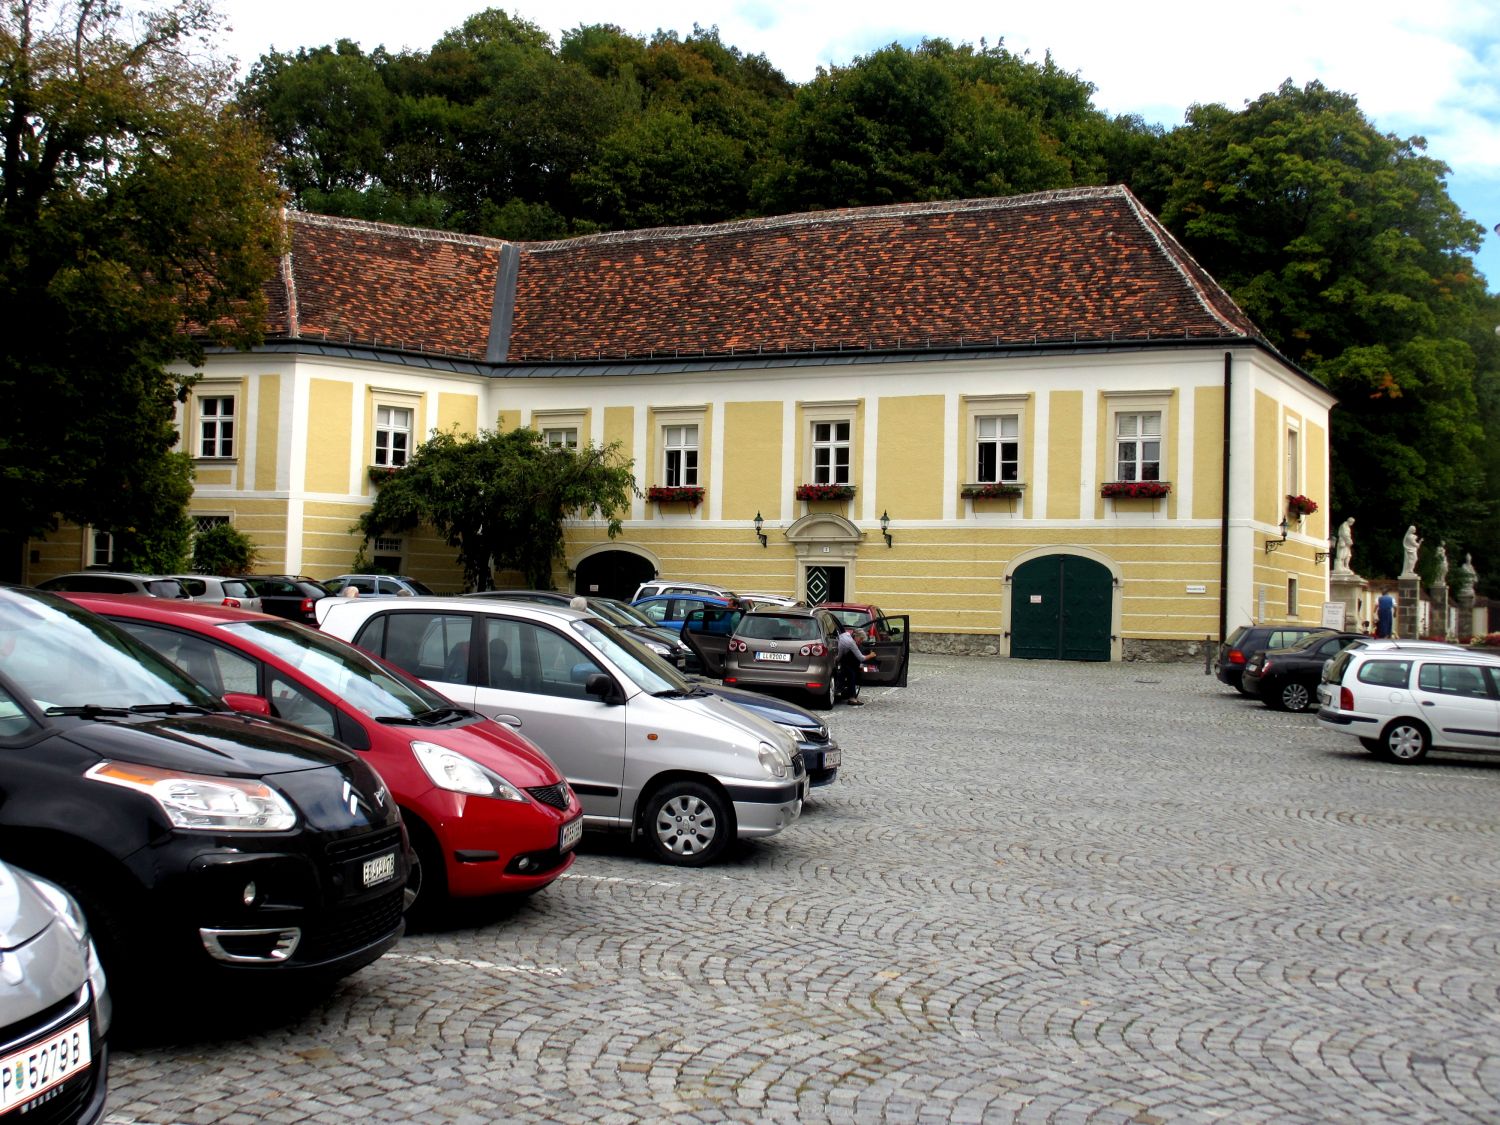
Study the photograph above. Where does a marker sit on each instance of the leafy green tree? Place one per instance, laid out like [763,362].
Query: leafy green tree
[501,499]
[223,549]
[1342,243]
[151,526]
[133,207]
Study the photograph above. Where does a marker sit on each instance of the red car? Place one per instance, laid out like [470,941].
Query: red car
[487,811]
[870,618]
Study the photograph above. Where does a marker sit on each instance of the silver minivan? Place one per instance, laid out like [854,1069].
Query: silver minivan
[54,1006]
[645,750]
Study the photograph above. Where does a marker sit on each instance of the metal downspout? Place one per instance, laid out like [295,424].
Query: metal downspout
[1224,513]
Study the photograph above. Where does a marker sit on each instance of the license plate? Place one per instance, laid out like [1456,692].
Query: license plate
[832,758]
[379,869]
[779,657]
[33,1070]
[571,833]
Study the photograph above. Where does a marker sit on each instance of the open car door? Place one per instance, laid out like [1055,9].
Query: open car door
[892,654]
[706,631]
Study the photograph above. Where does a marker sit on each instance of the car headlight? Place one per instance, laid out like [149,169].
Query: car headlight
[73,918]
[210,804]
[774,760]
[456,773]
[798,734]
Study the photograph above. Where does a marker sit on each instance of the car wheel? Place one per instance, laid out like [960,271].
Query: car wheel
[429,877]
[1405,741]
[687,824]
[1294,696]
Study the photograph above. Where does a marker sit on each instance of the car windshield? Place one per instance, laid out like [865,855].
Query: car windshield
[356,678]
[632,612]
[774,627]
[857,618]
[644,668]
[60,656]
[615,616]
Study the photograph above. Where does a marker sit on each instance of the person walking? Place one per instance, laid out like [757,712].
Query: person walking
[1385,615]
[851,656]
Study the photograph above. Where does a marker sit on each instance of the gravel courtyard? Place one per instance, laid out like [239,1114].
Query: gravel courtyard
[1038,892]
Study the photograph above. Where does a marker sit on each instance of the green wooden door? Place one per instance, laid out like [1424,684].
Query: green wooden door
[1060,609]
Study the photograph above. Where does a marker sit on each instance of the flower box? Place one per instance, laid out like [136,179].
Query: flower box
[993,490]
[676,494]
[825,492]
[1135,489]
[1299,506]
[383,474]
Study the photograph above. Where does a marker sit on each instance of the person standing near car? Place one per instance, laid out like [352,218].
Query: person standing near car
[1385,615]
[851,656]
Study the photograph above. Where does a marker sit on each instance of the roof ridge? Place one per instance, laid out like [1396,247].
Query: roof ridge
[395,230]
[1176,253]
[833,216]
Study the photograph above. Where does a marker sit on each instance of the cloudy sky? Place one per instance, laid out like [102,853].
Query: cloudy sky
[1428,68]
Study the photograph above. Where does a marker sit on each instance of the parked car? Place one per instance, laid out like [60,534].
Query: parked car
[237,593]
[378,585]
[54,1005]
[670,610]
[793,649]
[487,812]
[659,586]
[750,601]
[821,754]
[1287,678]
[288,595]
[646,751]
[1246,640]
[621,615]
[1402,699]
[116,582]
[201,844]
[858,615]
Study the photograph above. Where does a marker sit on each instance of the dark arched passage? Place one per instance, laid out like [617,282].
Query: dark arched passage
[612,574]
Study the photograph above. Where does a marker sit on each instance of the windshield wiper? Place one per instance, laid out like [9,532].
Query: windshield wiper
[170,709]
[425,718]
[673,693]
[90,711]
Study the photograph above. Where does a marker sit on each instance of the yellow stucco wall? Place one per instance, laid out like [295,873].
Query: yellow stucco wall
[461,410]
[1208,452]
[619,426]
[1270,500]
[267,435]
[909,457]
[332,404]
[752,462]
[1064,455]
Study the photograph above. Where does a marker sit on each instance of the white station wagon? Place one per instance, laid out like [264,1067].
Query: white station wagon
[1403,699]
[645,750]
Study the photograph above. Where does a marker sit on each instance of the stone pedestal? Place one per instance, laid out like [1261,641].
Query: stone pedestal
[1438,597]
[1408,594]
[1466,612]
[1347,587]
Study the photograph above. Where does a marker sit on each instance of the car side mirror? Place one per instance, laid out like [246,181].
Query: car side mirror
[247,704]
[603,688]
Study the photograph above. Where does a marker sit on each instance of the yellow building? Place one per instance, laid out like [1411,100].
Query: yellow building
[1082,447]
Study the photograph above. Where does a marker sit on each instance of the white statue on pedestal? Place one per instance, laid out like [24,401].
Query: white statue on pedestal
[1343,545]
[1410,544]
[1442,565]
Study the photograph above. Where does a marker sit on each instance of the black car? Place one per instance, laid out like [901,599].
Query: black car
[1287,678]
[288,595]
[202,844]
[1244,642]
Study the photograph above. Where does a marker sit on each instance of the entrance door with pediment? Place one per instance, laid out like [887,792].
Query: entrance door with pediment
[827,545]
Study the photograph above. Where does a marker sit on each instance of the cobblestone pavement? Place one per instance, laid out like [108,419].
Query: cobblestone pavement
[1039,892]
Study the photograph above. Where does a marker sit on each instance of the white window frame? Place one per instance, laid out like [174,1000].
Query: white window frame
[1138,402]
[1293,460]
[680,454]
[1140,465]
[830,443]
[216,431]
[978,410]
[93,541]
[560,429]
[383,451]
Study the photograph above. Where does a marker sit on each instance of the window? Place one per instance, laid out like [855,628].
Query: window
[561,437]
[1293,462]
[1138,445]
[216,426]
[392,436]
[294,703]
[997,449]
[203,523]
[680,449]
[1385,673]
[1291,597]
[101,548]
[830,449]
[217,668]
[1454,679]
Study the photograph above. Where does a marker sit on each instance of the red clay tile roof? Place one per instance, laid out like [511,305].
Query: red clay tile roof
[1086,264]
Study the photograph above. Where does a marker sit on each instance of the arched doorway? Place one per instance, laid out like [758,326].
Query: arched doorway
[827,545]
[1061,608]
[612,573]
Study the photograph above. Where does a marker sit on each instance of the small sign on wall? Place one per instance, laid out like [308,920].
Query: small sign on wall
[1197,589]
[1333,615]
[1036,599]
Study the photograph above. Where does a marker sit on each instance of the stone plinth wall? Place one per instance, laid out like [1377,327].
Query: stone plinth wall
[1132,649]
